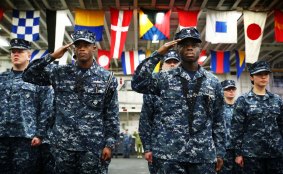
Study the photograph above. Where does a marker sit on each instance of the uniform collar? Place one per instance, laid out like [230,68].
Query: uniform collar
[265,97]
[199,73]
[88,72]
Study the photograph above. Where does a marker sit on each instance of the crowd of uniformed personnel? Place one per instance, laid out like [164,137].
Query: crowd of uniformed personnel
[65,119]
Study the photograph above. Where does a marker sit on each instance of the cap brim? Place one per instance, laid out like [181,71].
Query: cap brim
[193,38]
[22,48]
[261,70]
[87,40]
[169,58]
[229,86]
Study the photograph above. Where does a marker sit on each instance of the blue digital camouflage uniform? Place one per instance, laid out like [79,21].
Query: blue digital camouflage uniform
[229,166]
[175,142]
[24,111]
[86,119]
[147,124]
[45,160]
[257,131]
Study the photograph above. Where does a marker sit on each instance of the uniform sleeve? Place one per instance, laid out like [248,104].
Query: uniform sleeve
[39,71]
[237,125]
[280,119]
[45,111]
[146,122]
[111,116]
[143,80]
[218,124]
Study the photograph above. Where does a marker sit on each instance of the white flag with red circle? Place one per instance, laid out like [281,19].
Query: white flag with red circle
[103,58]
[254,23]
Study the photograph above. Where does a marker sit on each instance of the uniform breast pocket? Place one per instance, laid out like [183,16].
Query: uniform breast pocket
[28,91]
[254,111]
[94,96]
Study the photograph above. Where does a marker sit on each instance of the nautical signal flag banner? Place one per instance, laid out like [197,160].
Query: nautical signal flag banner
[202,57]
[130,60]
[254,23]
[25,25]
[120,21]
[92,20]
[187,18]
[221,26]
[278,25]
[154,24]
[103,58]
[240,62]
[37,54]
[220,61]
[1,13]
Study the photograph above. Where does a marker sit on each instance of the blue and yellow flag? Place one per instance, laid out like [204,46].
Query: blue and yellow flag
[240,62]
[92,20]
[154,24]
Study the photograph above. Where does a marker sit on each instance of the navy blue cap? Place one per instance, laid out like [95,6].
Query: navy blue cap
[259,66]
[172,54]
[186,33]
[228,84]
[20,44]
[84,35]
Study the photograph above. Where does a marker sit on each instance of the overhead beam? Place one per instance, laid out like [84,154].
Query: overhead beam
[153,3]
[235,5]
[82,4]
[171,4]
[187,5]
[99,2]
[220,4]
[117,4]
[135,15]
[203,4]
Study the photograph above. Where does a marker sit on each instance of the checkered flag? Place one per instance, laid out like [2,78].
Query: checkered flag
[25,25]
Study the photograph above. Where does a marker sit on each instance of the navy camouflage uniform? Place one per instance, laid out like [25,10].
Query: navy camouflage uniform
[23,114]
[147,124]
[86,116]
[175,145]
[150,116]
[257,129]
[229,165]
[45,160]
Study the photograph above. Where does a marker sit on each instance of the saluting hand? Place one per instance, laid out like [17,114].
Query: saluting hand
[167,46]
[61,51]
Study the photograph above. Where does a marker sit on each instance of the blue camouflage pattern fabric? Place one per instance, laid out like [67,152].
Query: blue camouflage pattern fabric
[149,117]
[174,142]
[86,117]
[228,114]
[25,109]
[229,165]
[257,126]
[147,127]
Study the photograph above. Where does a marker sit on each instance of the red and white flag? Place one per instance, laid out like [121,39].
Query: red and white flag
[254,23]
[187,18]
[120,21]
[103,58]
[202,57]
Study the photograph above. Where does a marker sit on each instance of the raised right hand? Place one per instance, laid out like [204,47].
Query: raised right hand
[60,51]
